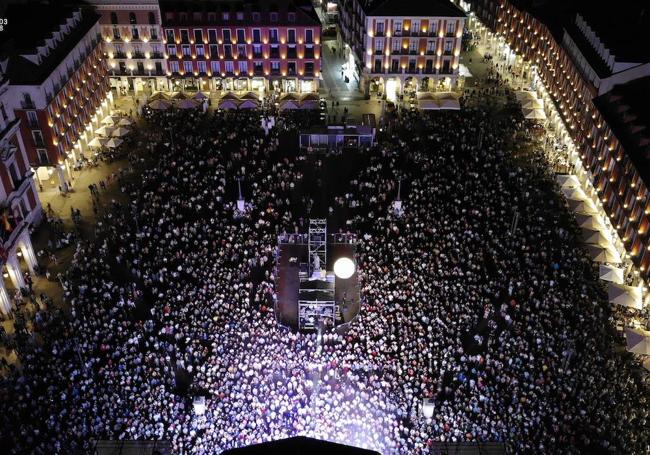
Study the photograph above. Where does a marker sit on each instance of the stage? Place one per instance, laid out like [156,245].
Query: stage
[345,292]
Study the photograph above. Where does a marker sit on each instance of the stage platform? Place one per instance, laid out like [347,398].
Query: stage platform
[346,292]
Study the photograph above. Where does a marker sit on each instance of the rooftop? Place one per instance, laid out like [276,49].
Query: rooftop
[624,29]
[626,109]
[421,8]
[303,9]
[28,26]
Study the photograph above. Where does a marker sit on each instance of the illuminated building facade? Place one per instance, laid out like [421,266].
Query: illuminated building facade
[58,84]
[241,45]
[588,59]
[400,46]
[20,206]
[133,44]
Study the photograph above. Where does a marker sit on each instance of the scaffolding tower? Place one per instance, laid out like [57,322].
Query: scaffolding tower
[317,243]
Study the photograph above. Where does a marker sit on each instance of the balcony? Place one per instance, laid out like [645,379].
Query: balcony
[138,55]
[258,72]
[119,55]
[39,143]
[33,124]
[27,104]
[158,55]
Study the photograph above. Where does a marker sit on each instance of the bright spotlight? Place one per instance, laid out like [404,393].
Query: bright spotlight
[344,268]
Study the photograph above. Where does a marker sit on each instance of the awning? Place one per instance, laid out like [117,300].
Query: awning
[158,96]
[125,122]
[200,96]
[104,131]
[309,104]
[179,96]
[626,296]
[638,341]
[574,193]
[230,96]
[532,104]
[525,95]
[250,96]
[108,120]
[611,274]
[428,105]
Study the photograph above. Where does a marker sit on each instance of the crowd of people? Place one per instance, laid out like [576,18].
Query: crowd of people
[507,330]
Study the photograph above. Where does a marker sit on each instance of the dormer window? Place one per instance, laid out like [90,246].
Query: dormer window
[291,17]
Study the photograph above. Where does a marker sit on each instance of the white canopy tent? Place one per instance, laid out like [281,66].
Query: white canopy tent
[611,274]
[602,254]
[582,206]
[104,131]
[595,237]
[108,120]
[587,220]
[525,95]
[428,105]
[187,104]
[228,104]
[97,142]
[114,142]
[638,341]
[125,122]
[534,114]
[249,104]
[532,104]
[574,193]
[627,296]
[119,132]
[567,181]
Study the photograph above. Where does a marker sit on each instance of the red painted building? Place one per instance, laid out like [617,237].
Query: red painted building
[58,82]
[226,45]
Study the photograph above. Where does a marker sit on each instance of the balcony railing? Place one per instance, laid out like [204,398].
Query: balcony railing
[157,55]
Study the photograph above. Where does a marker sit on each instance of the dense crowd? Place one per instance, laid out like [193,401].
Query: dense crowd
[508,332]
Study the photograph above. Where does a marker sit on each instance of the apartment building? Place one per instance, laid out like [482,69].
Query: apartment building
[403,46]
[242,45]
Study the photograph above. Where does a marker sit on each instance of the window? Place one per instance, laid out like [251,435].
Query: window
[38,138]
[241,36]
[171,49]
[240,16]
[291,36]
[274,17]
[257,50]
[226,36]
[212,18]
[243,67]
[200,50]
[135,33]
[202,67]
[114,18]
[116,33]
[273,35]
[227,49]
[230,67]
[183,18]
[187,66]
[241,50]
[215,67]
[380,28]
[214,52]
[415,27]
[398,28]
[198,35]
[185,36]
[4,113]
[396,45]
[448,46]
[225,15]
[258,68]
[379,45]
[32,119]
[256,35]
[256,17]
[186,50]
[291,17]
[309,36]
[451,27]
[132,19]
[153,33]
[13,172]
[212,36]
[174,66]
[152,18]
[433,27]
[170,36]
[431,45]
[413,46]
[275,66]
[42,156]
